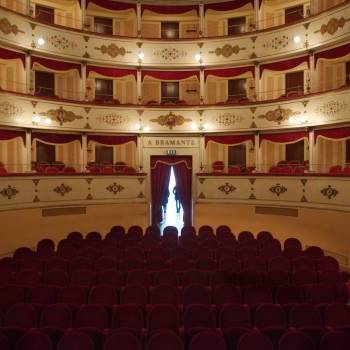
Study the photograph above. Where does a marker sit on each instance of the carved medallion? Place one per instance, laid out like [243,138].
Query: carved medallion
[227,50]
[332,26]
[9,192]
[170,120]
[10,110]
[170,53]
[7,28]
[112,50]
[60,42]
[61,115]
[62,189]
[114,188]
[227,188]
[113,119]
[278,189]
[278,115]
[329,192]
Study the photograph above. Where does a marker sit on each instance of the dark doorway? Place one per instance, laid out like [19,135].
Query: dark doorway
[170,91]
[236,25]
[161,168]
[45,153]
[293,14]
[45,14]
[170,30]
[103,155]
[237,155]
[295,151]
[237,89]
[104,89]
[295,82]
[44,83]
[103,25]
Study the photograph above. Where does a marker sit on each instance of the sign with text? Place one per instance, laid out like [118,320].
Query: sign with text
[174,142]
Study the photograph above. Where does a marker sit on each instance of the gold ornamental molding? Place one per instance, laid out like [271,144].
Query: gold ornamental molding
[329,192]
[227,50]
[62,189]
[112,50]
[278,115]
[7,28]
[278,189]
[115,188]
[171,120]
[9,192]
[61,115]
[227,188]
[10,110]
[332,26]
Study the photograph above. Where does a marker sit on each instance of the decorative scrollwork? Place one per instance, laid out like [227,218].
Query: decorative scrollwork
[10,110]
[7,28]
[278,189]
[227,188]
[227,50]
[62,189]
[332,26]
[61,115]
[278,115]
[113,50]
[9,192]
[170,120]
[329,192]
[228,119]
[331,108]
[114,188]
[170,53]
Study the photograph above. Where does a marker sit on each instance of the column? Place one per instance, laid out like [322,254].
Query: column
[28,11]
[202,158]
[202,86]
[83,13]
[257,14]
[201,20]
[311,150]
[84,152]
[313,83]
[28,70]
[139,18]
[139,85]
[139,152]
[28,166]
[256,149]
[257,81]
[83,95]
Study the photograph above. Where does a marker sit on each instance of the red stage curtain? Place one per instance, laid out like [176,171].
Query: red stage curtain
[228,5]
[56,138]
[169,75]
[11,55]
[111,139]
[160,176]
[169,10]
[286,137]
[183,177]
[12,134]
[285,65]
[56,65]
[229,72]
[228,139]
[336,52]
[336,134]
[110,72]
[112,5]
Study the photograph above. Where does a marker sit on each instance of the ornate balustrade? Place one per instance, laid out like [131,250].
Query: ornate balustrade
[328,192]
[311,110]
[30,190]
[325,29]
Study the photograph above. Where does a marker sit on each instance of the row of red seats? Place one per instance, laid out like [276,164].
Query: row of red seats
[192,294]
[338,169]
[232,323]
[170,277]
[205,340]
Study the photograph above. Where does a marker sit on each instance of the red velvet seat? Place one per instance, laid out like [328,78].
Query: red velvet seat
[34,340]
[92,316]
[327,263]
[275,278]
[207,340]
[165,294]
[226,294]
[163,317]
[75,295]
[254,340]
[73,340]
[255,295]
[219,277]
[134,295]
[337,316]
[41,295]
[58,316]
[165,340]
[128,318]
[294,339]
[196,294]
[168,277]
[139,278]
[335,340]
[123,341]
[194,277]
[11,295]
[22,316]
[83,277]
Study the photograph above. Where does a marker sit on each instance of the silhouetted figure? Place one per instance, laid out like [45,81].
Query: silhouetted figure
[177,201]
[165,200]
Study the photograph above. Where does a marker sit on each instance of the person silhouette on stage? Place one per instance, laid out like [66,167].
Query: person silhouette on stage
[165,200]
[177,201]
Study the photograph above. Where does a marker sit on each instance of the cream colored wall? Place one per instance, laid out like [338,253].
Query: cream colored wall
[67,12]
[329,153]
[325,228]
[272,11]
[151,24]
[124,22]
[32,226]
[13,154]
[215,22]
[12,75]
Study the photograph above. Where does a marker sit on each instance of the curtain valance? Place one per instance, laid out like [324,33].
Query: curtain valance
[110,72]
[170,10]
[228,139]
[11,55]
[56,138]
[111,140]
[56,65]
[12,134]
[334,134]
[229,72]
[285,65]
[227,5]
[287,137]
[336,52]
[169,75]
[112,5]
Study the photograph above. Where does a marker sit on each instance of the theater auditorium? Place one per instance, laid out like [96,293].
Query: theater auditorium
[175,174]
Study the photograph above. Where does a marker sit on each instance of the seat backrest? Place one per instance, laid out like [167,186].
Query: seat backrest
[56,316]
[102,294]
[304,315]
[21,315]
[128,317]
[163,317]
[294,339]
[335,340]
[134,295]
[254,340]
[194,277]
[123,341]
[72,294]
[207,340]
[165,340]
[256,295]
[196,294]
[270,315]
[197,315]
[226,294]
[165,294]
[92,316]
[235,315]
[337,315]
[73,340]
[34,340]
[43,295]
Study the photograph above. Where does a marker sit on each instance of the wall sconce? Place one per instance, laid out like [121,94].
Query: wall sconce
[142,128]
[201,126]
[140,57]
[198,58]
[41,41]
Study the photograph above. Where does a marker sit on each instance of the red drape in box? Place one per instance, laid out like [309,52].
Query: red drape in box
[229,72]
[228,139]
[227,5]
[12,55]
[169,10]
[336,134]
[286,137]
[111,139]
[12,134]
[160,176]
[110,72]
[169,75]
[336,52]
[55,138]
[285,65]
[112,5]
[56,65]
